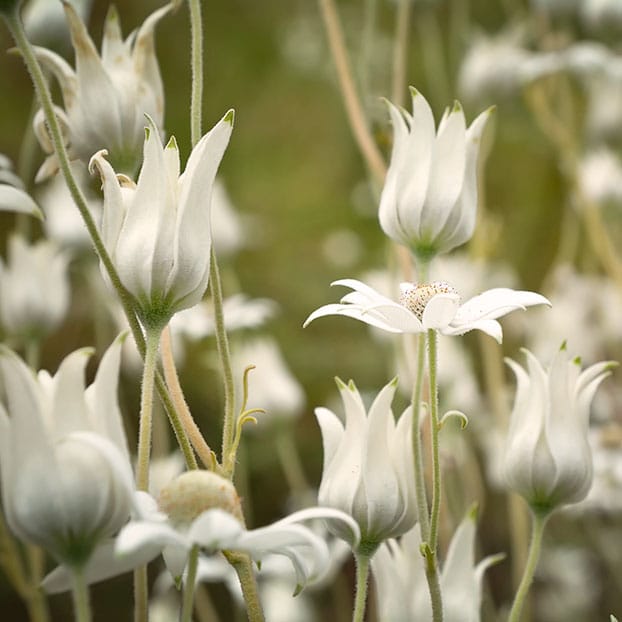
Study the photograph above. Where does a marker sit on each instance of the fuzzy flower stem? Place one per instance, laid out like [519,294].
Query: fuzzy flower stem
[225,358]
[81,601]
[539,520]
[434,586]
[362,582]
[43,95]
[400,51]
[243,566]
[422,502]
[172,381]
[189,586]
[196,27]
[354,108]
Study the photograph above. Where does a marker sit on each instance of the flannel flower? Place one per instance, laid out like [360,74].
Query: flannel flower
[547,458]
[429,199]
[202,508]
[429,306]
[157,231]
[67,483]
[368,466]
[105,97]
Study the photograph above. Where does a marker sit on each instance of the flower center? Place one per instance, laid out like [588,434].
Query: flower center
[416,297]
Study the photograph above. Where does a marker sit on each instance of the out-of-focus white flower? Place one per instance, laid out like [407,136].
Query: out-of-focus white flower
[107,96]
[428,306]
[598,13]
[399,574]
[13,198]
[67,482]
[34,288]
[63,222]
[45,22]
[548,460]
[157,231]
[271,385]
[429,199]
[600,176]
[368,466]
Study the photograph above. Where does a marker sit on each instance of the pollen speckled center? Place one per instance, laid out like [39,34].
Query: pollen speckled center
[416,297]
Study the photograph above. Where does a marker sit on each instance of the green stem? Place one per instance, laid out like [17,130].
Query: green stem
[81,601]
[434,586]
[188,600]
[434,433]
[362,582]
[422,501]
[146,408]
[141,595]
[36,600]
[289,458]
[400,51]
[539,520]
[243,566]
[196,63]
[228,461]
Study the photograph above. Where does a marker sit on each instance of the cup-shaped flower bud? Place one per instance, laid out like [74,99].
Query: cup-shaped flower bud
[34,288]
[106,96]
[429,199]
[368,466]
[548,459]
[66,476]
[157,231]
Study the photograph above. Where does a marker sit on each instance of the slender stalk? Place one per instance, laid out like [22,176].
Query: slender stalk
[81,600]
[434,585]
[189,586]
[352,102]
[196,63]
[539,520]
[146,409]
[362,582]
[175,391]
[222,343]
[400,51]
[434,425]
[36,600]
[141,595]
[420,490]
[243,566]
[291,464]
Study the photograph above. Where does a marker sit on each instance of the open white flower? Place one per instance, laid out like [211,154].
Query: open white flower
[202,508]
[429,199]
[67,482]
[402,591]
[107,96]
[368,466]
[548,459]
[429,306]
[157,231]
[34,288]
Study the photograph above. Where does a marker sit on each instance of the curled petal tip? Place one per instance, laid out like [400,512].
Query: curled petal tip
[229,117]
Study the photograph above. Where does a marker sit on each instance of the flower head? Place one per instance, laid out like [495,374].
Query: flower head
[157,230]
[368,466]
[429,199]
[548,459]
[34,288]
[429,306]
[67,483]
[106,96]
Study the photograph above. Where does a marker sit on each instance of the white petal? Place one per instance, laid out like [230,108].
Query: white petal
[440,310]
[215,529]
[15,200]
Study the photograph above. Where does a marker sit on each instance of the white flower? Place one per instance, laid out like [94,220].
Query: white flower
[158,230]
[107,96]
[402,591]
[13,198]
[600,176]
[34,288]
[548,459]
[202,508]
[67,483]
[429,306]
[368,466]
[429,199]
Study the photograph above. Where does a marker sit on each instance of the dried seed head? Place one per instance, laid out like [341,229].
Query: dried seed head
[194,492]
[416,297]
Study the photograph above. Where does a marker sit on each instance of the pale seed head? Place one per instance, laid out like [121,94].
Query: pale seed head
[415,297]
[194,492]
